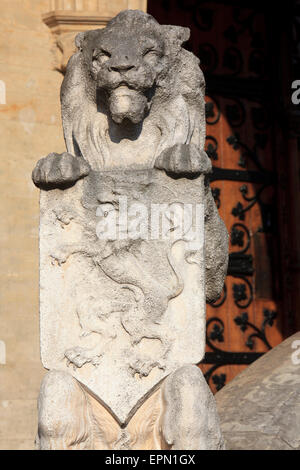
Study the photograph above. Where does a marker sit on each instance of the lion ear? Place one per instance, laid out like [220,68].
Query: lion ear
[177,34]
[79,40]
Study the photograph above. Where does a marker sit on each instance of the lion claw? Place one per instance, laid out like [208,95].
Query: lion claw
[59,171]
[182,159]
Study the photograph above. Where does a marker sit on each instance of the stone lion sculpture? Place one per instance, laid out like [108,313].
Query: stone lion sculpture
[153,86]
[133,83]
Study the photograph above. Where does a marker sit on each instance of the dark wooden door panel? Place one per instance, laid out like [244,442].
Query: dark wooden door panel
[233,44]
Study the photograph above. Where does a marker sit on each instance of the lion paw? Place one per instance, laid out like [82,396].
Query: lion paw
[181,159]
[79,356]
[143,367]
[59,171]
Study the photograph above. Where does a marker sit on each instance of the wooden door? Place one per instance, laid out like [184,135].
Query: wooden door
[235,46]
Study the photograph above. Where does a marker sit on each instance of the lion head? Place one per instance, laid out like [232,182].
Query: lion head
[126,60]
[124,73]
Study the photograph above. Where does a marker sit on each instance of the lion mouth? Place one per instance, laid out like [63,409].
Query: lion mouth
[127,103]
[125,84]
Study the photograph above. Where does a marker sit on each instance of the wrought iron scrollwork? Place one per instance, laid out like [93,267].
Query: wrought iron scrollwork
[240,268]
[261,175]
[219,381]
[218,303]
[240,265]
[216,333]
[209,57]
[203,18]
[216,192]
[236,143]
[239,209]
[233,60]
[218,358]
[238,232]
[243,322]
[213,112]
[235,113]
[212,147]
[242,293]
[244,22]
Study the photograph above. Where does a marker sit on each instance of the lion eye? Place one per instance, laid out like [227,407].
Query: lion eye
[151,56]
[150,52]
[101,58]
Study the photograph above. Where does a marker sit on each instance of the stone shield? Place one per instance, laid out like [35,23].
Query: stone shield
[122,282]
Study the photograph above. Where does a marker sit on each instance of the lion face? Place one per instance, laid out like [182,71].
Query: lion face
[125,60]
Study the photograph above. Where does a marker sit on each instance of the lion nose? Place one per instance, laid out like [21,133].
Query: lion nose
[121,63]
[121,67]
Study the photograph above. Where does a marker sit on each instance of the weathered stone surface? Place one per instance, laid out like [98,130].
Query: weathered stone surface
[123,273]
[125,312]
[51,172]
[180,415]
[190,420]
[260,408]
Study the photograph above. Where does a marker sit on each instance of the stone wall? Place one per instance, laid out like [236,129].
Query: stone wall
[30,128]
